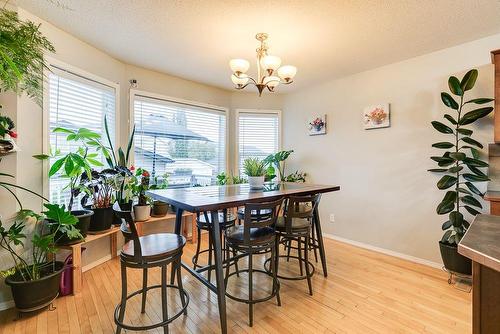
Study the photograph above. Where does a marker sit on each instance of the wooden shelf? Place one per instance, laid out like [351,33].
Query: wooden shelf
[492,196]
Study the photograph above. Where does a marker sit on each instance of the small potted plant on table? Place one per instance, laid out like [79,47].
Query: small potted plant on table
[142,210]
[160,208]
[461,166]
[35,282]
[255,169]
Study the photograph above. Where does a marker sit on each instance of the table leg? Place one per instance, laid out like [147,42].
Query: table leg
[194,232]
[178,221]
[219,275]
[113,245]
[77,268]
[319,235]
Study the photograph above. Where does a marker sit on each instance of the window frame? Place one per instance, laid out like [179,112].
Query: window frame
[222,110]
[72,71]
[238,112]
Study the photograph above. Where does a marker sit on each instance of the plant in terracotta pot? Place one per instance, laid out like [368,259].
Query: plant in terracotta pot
[255,169]
[461,167]
[160,208]
[99,197]
[35,275]
[142,210]
[73,165]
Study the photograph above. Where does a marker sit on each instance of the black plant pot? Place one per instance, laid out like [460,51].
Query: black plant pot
[102,219]
[35,295]
[160,208]
[82,225]
[453,261]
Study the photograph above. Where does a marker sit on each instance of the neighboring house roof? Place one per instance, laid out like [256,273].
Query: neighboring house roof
[150,155]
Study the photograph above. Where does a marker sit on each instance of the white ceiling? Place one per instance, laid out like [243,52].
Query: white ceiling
[324,39]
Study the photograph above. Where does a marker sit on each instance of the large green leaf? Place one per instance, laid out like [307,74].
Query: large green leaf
[469,80]
[446,236]
[477,171]
[474,115]
[455,169]
[443,144]
[471,141]
[449,101]
[464,191]
[456,218]
[454,85]
[481,100]
[69,166]
[450,119]
[446,225]
[473,189]
[472,211]
[446,182]
[438,170]
[475,162]
[447,204]
[475,178]
[471,201]
[56,166]
[443,161]
[459,156]
[441,127]
[465,132]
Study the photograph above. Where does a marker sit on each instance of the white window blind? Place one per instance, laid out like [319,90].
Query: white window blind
[258,135]
[185,141]
[76,102]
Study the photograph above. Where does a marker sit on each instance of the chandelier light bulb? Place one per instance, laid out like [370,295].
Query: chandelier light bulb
[239,66]
[240,80]
[270,63]
[287,72]
[272,82]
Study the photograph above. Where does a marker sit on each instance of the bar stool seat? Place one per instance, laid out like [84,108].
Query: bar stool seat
[263,213]
[156,246]
[201,221]
[235,235]
[297,224]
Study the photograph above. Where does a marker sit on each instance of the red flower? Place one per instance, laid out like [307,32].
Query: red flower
[145,173]
[13,134]
[132,168]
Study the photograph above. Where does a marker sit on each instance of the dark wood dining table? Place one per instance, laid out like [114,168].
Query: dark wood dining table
[211,199]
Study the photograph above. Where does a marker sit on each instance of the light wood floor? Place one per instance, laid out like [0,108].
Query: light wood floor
[366,292]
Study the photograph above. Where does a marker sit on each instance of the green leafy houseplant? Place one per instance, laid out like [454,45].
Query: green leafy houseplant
[225,179]
[460,163]
[277,162]
[254,167]
[22,47]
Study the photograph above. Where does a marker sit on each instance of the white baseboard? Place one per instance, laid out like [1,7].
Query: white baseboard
[384,251]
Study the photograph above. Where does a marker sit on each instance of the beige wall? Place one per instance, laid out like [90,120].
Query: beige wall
[387,198]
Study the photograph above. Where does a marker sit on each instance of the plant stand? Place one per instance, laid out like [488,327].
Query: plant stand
[460,281]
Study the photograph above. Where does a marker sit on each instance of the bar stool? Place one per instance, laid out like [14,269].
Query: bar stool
[296,225]
[255,236]
[254,216]
[153,250]
[226,220]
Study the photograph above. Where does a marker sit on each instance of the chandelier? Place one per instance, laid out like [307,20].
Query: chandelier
[269,72]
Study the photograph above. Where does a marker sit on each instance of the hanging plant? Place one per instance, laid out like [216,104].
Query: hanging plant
[22,48]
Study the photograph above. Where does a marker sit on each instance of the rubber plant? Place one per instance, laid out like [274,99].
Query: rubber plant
[460,163]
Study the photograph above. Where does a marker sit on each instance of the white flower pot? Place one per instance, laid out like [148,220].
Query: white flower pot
[142,212]
[256,182]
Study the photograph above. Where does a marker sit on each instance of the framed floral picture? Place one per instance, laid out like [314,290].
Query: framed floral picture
[317,125]
[377,116]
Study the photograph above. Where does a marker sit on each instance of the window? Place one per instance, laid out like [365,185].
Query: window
[258,134]
[76,102]
[184,140]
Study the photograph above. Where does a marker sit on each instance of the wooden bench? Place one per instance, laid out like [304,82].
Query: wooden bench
[76,249]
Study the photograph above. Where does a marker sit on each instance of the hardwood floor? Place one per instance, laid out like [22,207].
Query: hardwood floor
[366,292]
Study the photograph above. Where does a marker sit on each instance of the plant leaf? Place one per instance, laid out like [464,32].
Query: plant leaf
[464,191]
[447,204]
[456,218]
[459,156]
[443,144]
[473,189]
[481,100]
[449,101]
[465,132]
[41,156]
[471,201]
[446,225]
[469,80]
[455,169]
[472,211]
[443,161]
[454,85]
[441,127]
[434,170]
[471,141]
[450,119]
[446,181]
[56,166]
[446,236]
[475,178]
[477,171]
[474,115]
[475,162]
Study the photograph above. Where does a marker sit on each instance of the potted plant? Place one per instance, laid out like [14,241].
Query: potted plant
[277,162]
[73,165]
[255,170]
[462,168]
[160,208]
[7,135]
[142,209]
[35,282]
[224,179]
[100,190]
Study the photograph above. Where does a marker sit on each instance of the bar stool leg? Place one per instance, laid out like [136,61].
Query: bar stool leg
[313,240]
[123,302]
[177,264]
[306,262]
[274,267]
[236,263]
[198,246]
[210,251]
[289,245]
[299,250]
[250,290]
[164,296]
[144,289]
